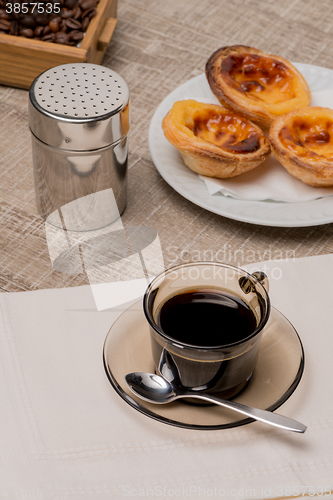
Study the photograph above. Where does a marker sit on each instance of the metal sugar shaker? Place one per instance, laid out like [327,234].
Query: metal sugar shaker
[79,117]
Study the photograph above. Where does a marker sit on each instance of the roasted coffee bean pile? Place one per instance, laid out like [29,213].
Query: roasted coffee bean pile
[56,21]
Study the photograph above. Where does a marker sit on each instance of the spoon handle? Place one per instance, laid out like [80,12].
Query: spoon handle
[255,413]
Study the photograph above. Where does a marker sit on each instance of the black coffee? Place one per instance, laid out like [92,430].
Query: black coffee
[206,318]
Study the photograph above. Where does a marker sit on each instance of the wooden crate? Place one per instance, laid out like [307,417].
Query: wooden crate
[22,59]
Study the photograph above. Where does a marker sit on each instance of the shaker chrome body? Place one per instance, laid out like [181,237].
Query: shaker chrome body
[79,117]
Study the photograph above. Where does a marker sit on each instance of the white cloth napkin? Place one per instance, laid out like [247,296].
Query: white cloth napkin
[270,181]
[66,434]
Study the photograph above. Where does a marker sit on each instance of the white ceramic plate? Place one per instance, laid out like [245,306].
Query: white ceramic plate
[187,183]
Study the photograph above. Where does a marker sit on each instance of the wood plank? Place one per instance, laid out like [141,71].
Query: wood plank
[90,41]
[22,60]
[106,35]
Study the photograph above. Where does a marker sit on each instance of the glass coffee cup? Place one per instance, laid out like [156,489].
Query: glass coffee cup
[209,318]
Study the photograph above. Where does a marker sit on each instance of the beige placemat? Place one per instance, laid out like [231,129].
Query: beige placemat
[67,434]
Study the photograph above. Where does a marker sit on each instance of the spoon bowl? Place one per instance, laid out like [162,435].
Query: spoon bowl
[148,385]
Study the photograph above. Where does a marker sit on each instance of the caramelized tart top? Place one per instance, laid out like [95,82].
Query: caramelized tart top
[309,135]
[256,85]
[261,78]
[226,130]
[211,123]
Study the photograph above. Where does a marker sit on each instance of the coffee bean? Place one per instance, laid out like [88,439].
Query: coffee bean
[27,32]
[42,19]
[70,4]
[77,12]
[53,16]
[14,28]
[85,23]
[38,31]
[54,25]
[4,15]
[46,30]
[62,38]
[89,13]
[87,4]
[4,25]
[49,38]
[67,14]
[76,35]
[73,24]
[28,21]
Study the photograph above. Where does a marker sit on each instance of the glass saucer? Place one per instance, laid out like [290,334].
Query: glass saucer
[278,372]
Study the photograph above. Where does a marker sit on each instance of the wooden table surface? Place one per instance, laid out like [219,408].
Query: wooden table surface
[159,44]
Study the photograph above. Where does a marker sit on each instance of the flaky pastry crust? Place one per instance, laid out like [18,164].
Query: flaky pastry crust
[256,85]
[213,141]
[302,141]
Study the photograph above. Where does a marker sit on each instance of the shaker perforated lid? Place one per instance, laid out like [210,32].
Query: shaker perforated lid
[79,107]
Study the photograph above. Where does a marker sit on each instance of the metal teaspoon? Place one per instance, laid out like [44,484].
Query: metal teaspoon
[156,389]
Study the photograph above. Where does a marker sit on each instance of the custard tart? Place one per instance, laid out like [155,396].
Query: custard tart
[256,85]
[302,141]
[213,141]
